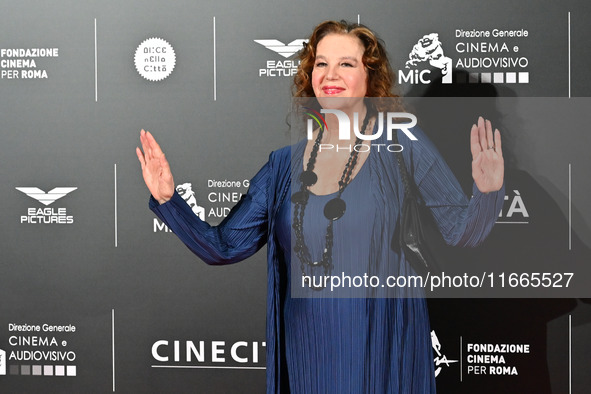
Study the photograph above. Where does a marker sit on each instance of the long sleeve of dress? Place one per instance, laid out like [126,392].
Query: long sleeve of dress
[462,221]
[238,236]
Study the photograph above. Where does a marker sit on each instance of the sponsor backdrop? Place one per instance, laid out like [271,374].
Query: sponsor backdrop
[98,296]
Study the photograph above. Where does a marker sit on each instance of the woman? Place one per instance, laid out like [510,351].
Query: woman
[332,345]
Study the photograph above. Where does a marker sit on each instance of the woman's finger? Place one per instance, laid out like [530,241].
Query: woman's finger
[156,151]
[482,134]
[474,143]
[140,157]
[145,145]
[490,143]
[498,143]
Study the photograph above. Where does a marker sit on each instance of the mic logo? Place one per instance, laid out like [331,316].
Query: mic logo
[427,49]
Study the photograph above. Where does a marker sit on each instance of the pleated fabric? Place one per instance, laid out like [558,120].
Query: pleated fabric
[331,343]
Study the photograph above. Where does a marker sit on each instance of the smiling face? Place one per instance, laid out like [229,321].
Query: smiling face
[338,68]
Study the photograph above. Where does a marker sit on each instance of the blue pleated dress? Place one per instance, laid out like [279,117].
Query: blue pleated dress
[330,342]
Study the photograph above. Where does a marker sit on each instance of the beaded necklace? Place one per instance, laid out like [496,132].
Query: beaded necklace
[333,210]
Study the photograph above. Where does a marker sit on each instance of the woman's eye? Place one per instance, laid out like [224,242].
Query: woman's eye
[346,65]
[320,64]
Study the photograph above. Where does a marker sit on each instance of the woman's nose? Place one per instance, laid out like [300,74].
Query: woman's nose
[332,73]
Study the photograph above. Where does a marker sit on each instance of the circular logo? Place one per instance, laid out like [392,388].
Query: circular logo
[154,59]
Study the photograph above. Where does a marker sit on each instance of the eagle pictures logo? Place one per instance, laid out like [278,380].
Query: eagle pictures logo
[281,68]
[46,215]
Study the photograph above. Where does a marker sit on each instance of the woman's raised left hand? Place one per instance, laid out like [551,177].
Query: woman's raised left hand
[487,157]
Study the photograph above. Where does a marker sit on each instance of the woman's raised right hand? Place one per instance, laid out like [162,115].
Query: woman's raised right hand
[155,168]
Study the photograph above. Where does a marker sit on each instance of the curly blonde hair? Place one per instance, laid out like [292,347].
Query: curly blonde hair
[380,77]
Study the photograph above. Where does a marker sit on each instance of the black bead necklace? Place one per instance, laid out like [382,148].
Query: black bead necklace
[333,210]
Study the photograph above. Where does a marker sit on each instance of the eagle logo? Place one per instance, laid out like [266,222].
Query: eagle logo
[284,50]
[46,198]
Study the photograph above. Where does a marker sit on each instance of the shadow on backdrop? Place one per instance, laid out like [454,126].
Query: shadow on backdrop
[500,320]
